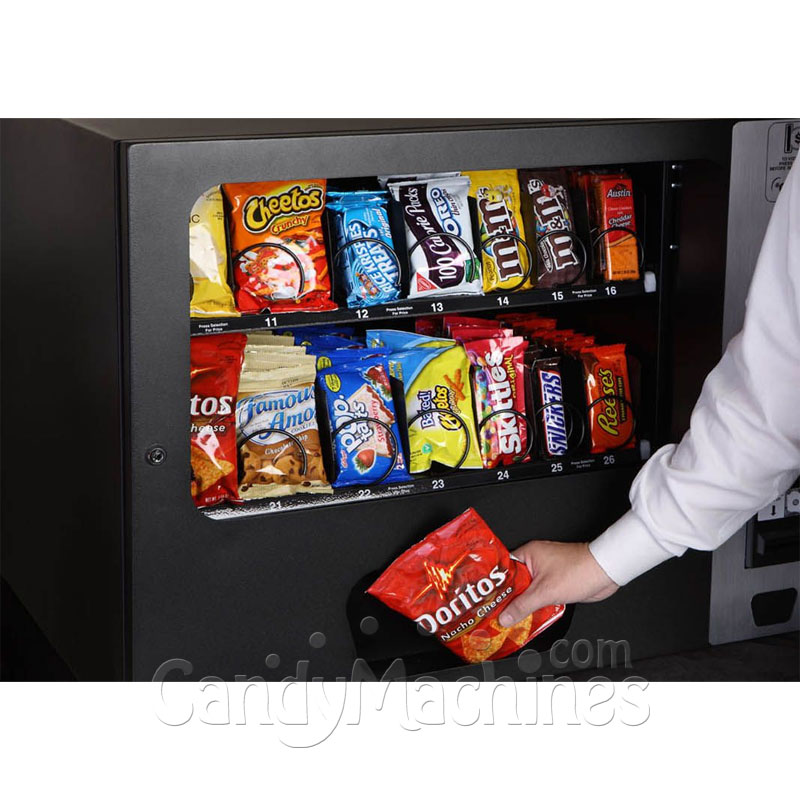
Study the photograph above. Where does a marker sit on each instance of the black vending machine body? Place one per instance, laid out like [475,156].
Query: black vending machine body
[102,543]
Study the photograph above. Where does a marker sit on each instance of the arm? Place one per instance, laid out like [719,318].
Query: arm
[741,451]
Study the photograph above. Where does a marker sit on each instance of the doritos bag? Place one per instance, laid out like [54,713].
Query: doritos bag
[276,227]
[455,582]
[215,364]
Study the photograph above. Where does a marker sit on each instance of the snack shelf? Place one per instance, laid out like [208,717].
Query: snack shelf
[403,309]
[431,482]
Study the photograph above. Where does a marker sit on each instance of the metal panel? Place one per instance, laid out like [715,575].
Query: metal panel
[756,164]
[225,594]
[61,426]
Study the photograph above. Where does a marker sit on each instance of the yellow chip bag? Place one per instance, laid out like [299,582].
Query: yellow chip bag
[505,261]
[208,258]
[436,380]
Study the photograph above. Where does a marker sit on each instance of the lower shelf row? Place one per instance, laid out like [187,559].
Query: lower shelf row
[328,411]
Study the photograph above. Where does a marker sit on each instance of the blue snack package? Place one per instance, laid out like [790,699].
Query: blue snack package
[370,272]
[324,341]
[400,340]
[340,331]
[346,355]
[363,451]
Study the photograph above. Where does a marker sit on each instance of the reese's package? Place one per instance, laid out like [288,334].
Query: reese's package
[436,380]
[608,395]
[505,262]
[455,583]
[369,270]
[547,210]
[440,265]
[208,258]
[364,452]
[275,229]
[271,402]
[498,382]
[215,364]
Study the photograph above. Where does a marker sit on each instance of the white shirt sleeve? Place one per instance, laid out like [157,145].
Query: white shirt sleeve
[742,449]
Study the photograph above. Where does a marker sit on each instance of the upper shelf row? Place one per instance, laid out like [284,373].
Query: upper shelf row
[292,253]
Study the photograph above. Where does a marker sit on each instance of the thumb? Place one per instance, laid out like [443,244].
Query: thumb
[532,599]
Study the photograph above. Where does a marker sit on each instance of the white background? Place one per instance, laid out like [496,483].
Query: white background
[404,58]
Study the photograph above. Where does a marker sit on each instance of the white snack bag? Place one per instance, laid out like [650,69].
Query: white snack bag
[385,180]
[440,265]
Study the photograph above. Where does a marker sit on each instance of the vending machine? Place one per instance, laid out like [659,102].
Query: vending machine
[202,471]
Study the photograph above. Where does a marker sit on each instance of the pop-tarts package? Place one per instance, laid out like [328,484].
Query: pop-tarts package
[368,271]
[363,451]
[400,340]
[434,213]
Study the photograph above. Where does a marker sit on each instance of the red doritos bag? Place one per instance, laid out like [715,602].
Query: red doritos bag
[216,363]
[455,583]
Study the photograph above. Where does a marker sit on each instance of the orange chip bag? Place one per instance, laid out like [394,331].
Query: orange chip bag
[277,246]
[608,396]
[455,582]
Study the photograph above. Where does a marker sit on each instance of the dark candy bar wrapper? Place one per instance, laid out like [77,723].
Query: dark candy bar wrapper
[547,211]
[552,415]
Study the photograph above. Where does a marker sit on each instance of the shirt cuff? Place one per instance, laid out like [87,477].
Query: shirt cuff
[627,549]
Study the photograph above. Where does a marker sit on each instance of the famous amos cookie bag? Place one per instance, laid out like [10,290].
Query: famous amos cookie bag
[215,364]
[608,397]
[455,583]
[275,229]
[277,433]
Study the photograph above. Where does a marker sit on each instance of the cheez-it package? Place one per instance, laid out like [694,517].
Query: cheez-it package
[215,364]
[276,227]
[455,582]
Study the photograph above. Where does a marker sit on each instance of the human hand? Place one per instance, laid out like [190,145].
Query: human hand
[563,572]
